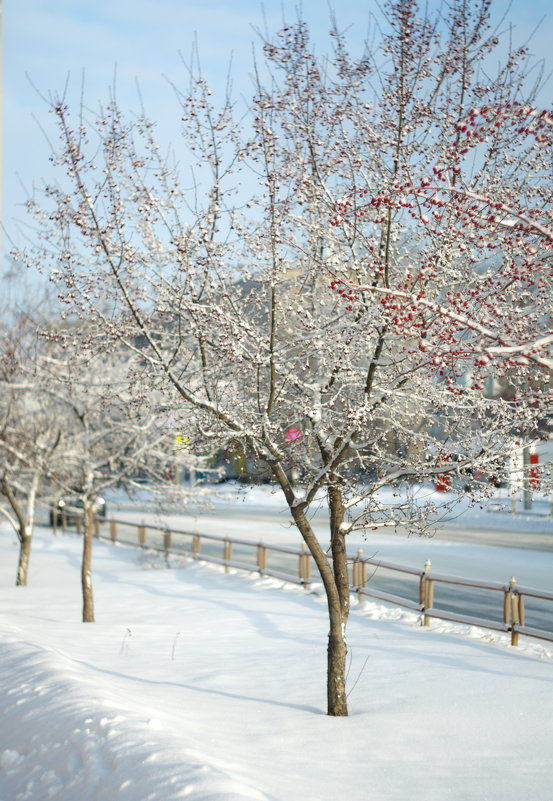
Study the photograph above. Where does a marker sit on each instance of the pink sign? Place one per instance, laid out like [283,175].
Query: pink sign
[293,434]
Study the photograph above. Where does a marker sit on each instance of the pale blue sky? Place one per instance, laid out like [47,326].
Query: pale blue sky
[49,38]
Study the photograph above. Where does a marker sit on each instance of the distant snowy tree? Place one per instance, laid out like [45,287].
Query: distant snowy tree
[110,438]
[71,427]
[348,270]
[31,436]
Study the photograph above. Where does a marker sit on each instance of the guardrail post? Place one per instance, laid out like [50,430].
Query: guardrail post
[167,540]
[521,610]
[261,557]
[227,553]
[196,544]
[142,534]
[359,574]
[78,524]
[304,565]
[427,591]
[513,598]
[507,606]
[113,530]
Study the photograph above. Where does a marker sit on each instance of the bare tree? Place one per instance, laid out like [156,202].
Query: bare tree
[110,437]
[72,425]
[30,436]
[334,292]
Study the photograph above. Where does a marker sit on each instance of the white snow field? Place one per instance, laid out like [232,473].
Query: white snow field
[201,685]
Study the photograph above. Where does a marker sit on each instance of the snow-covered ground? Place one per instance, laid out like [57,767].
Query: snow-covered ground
[209,686]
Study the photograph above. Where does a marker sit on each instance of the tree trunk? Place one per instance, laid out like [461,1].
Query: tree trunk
[86,567]
[337,701]
[25,541]
[337,599]
[337,646]
[338,548]
[24,526]
[337,643]
[26,533]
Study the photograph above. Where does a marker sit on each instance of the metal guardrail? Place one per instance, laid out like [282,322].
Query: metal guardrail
[513,613]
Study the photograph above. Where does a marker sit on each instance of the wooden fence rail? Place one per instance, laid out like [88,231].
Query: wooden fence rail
[174,541]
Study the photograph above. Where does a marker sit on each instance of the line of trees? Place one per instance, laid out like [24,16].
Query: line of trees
[352,269]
